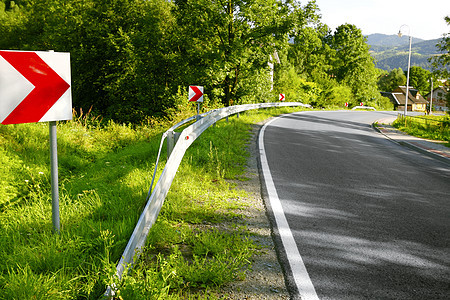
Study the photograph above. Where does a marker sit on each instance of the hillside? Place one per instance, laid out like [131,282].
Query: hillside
[391,52]
[385,42]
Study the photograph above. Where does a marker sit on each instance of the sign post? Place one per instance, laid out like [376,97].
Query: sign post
[35,87]
[54,176]
[281,97]
[196,95]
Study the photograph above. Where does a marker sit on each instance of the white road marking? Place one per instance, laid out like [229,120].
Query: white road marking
[301,277]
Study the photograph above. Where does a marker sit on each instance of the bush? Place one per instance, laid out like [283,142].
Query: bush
[336,96]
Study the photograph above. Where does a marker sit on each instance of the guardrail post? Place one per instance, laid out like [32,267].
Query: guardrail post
[172,138]
[170,143]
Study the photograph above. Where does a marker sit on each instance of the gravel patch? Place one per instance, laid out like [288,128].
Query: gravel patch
[265,280]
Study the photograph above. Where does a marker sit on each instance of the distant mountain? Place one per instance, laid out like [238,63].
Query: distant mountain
[391,51]
[384,40]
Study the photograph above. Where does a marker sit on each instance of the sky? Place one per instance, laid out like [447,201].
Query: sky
[425,18]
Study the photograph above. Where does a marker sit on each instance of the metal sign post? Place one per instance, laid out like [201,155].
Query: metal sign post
[54,176]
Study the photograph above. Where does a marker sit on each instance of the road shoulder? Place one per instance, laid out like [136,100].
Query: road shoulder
[265,279]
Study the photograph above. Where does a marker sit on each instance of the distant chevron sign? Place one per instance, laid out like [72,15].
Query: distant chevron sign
[34,87]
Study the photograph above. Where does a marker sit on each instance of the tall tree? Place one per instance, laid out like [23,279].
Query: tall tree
[419,78]
[309,52]
[352,63]
[304,58]
[227,42]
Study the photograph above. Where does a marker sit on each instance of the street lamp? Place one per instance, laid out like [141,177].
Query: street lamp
[409,65]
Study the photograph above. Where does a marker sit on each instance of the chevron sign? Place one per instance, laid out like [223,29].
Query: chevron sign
[195,93]
[34,87]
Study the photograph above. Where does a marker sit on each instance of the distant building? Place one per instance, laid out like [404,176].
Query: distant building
[439,98]
[398,96]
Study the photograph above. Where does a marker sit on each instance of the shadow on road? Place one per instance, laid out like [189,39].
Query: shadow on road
[370,218]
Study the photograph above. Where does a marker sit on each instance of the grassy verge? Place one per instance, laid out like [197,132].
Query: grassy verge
[196,245]
[429,127]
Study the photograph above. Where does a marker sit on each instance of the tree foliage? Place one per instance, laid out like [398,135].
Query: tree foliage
[351,62]
[229,43]
[119,50]
[419,78]
[441,63]
[388,82]
[130,58]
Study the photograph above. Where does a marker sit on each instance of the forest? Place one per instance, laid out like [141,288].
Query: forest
[134,59]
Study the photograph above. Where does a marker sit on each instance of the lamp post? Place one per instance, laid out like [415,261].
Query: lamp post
[431,96]
[409,65]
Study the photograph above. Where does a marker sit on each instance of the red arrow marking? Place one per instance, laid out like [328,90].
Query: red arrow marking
[48,87]
[281,97]
[197,92]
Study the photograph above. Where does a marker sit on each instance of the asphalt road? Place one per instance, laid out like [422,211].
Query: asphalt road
[370,218]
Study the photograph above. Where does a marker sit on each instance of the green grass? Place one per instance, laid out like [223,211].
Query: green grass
[429,127]
[105,172]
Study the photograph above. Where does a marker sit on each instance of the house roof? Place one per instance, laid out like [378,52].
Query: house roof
[398,96]
[413,97]
[391,97]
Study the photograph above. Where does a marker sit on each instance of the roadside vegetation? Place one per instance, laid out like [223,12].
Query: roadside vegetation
[131,63]
[105,168]
[429,127]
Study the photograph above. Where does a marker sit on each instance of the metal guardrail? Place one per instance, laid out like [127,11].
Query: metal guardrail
[159,193]
[164,136]
[363,107]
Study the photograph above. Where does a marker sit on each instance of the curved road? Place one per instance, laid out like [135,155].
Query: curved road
[369,218]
